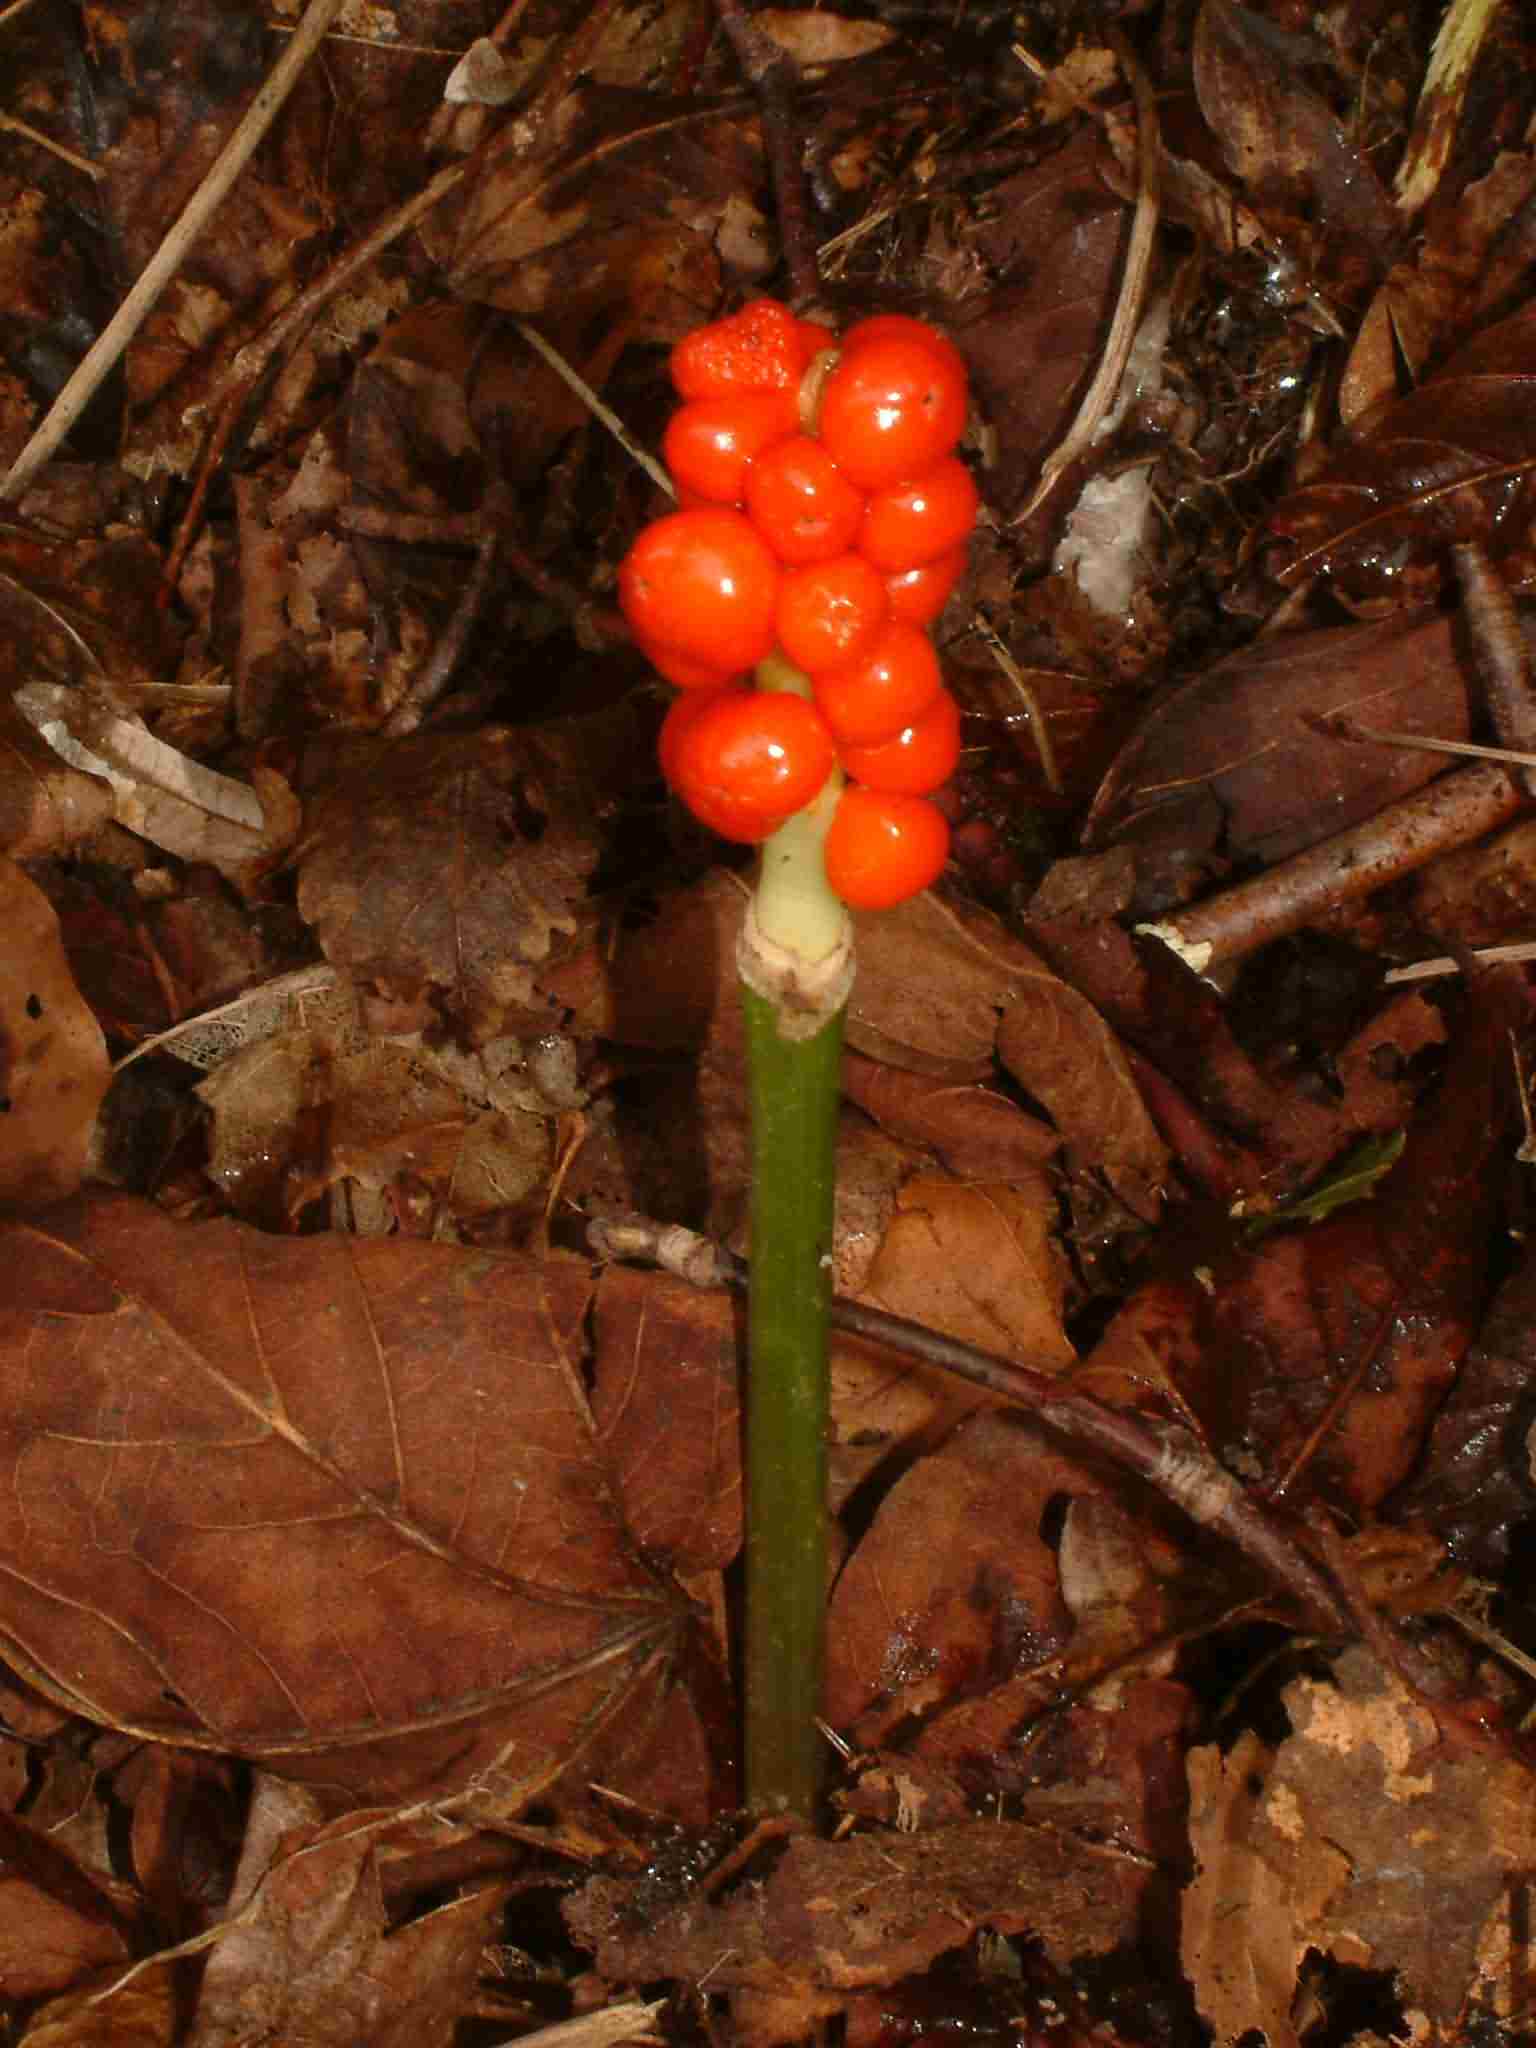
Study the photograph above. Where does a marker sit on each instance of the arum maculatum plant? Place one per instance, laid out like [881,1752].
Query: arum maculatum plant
[823,522]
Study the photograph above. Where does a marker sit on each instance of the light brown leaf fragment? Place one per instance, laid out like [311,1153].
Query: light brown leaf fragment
[1377,1832]
[978,1262]
[53,1058]
[311,1957]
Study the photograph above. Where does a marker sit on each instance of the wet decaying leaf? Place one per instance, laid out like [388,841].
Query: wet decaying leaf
[1319,1360]
[1285,145]
[955,1584]
[335,1504]
[1477,1487]
[837,1916]
[1240,758]
[1452,461]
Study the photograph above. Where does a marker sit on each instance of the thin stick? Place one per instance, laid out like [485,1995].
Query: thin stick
[163,265]
[1170,1461]
[773,77]
[1447,813]
[1133,290]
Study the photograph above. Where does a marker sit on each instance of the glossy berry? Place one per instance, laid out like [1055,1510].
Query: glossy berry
[870,700]
[883,848]
[921,758]
[801,503]
[761,348]
[683,669]
[703,584]
[830,613]
[710,442]
[747,756]
[890,410]
[919,595]
[916,522]
[683,714]
[883,326]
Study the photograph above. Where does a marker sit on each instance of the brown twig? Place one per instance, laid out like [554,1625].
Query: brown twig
[1170,1461]
[1133,290]
[1445,814]
[125,323]
[774,79]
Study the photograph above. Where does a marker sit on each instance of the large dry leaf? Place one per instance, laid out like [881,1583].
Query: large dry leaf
[332,1503]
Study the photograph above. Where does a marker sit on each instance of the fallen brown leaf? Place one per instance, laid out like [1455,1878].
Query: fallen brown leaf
[332,1503]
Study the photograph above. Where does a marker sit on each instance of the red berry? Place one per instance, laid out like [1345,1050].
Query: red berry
[747,756]
[890,410]
[922,756]
[683,714]
[919,595]
[758,349]
[682,669]
[883,848]
[916,522]
[710,442]
[871,700]
[704,585]
[882,326]
[830,613]
[801,503]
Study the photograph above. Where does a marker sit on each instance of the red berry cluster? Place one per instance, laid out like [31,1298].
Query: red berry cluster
[824,515]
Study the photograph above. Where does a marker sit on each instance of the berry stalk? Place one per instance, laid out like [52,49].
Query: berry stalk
[822,525]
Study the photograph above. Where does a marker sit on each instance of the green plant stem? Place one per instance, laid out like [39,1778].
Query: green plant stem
[796,966]
[794,1089]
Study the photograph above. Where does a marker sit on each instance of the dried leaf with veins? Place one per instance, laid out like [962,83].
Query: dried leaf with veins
[332,1503]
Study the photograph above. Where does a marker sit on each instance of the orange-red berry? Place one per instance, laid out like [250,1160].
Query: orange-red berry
[760,348]
[917,522]
[710,442]
[882,848]
[919,595]
[830,613]
[870,700]
[922,757]
[801,503]
[704,584]
[890,410]
[746,757]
